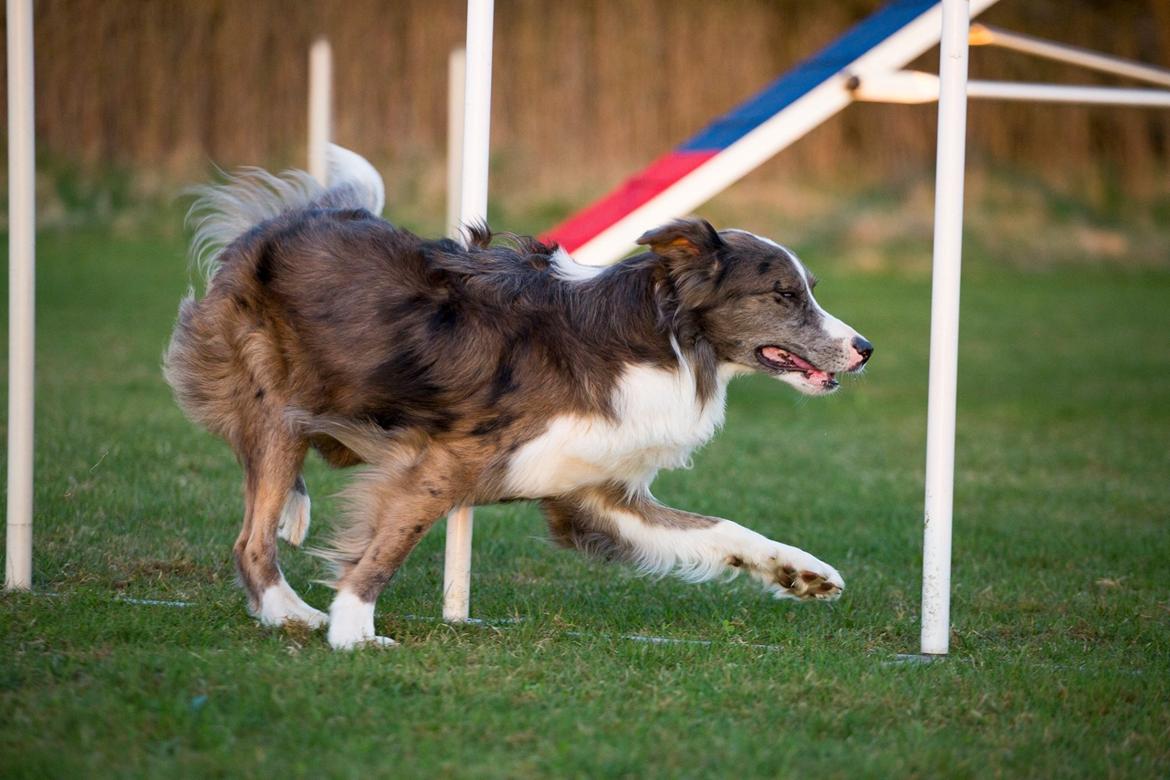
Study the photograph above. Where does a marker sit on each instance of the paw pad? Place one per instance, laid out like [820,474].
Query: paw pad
[805,585]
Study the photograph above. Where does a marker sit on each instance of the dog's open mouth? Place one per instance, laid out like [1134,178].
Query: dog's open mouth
[780,360]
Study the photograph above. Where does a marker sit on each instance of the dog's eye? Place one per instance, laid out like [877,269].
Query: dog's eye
[785,295]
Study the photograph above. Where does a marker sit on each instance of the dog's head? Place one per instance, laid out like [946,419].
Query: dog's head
[752,300]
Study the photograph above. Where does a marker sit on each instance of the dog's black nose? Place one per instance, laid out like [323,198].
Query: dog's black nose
[863,348]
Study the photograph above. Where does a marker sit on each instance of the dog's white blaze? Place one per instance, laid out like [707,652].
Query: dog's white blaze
[660,422]
[279,604]
[762,239]
[565,267]
[837,329]
[351,623]
[833,326]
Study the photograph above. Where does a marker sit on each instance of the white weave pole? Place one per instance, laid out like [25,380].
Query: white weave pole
[456,72]
[21,294]
[320,107]
[457,560]
[473,192]
[944,328]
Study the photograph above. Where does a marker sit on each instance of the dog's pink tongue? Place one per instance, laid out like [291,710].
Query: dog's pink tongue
[802,363]
[777,355]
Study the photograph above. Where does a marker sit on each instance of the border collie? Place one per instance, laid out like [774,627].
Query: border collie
[498,371]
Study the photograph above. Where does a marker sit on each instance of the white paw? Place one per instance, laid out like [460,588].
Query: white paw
[791,573]
[294,518]
[374,642]
[280,604]
[351,624]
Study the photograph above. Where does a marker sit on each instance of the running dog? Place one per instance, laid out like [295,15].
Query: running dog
[497,371]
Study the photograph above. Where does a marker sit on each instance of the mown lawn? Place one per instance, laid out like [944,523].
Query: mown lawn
[1061,647]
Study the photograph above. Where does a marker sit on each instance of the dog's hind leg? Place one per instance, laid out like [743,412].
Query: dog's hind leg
[269,470]
[294,517]
[616,523]
[391,509]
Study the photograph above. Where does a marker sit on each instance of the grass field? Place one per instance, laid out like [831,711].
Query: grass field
[1061,646]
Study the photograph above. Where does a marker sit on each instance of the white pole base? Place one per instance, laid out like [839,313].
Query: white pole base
[457,567]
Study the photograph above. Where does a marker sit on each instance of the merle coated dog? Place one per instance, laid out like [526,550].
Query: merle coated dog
[500,370]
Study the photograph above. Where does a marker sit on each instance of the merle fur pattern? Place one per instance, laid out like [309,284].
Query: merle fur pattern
[327,327]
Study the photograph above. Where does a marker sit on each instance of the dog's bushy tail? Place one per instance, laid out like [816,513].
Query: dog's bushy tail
[223,212]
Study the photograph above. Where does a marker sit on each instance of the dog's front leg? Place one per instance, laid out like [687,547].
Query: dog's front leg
[614,522]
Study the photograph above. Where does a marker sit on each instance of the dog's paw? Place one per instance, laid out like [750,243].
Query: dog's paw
[794,574]
[365,643]
[280,604]
[294,518]
[804,584]
[351,624]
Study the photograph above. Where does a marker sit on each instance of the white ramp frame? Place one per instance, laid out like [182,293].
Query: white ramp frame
[473,194]
[1071,93]
[916,87]
[909,86]
[766,140]
[984,35]
[21,294]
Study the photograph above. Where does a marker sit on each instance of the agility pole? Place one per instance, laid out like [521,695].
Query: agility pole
[473,194]
[456,70]
[21,294]
[320,108]
[944,328]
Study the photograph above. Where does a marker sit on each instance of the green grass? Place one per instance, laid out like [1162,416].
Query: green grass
[1060,658]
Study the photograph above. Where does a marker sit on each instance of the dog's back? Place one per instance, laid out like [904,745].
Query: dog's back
[324,312]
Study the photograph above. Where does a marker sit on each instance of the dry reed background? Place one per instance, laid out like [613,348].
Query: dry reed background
[584,91]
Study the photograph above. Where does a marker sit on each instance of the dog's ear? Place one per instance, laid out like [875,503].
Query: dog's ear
[684,240]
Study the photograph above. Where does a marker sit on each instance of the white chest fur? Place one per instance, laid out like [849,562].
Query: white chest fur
[660,421]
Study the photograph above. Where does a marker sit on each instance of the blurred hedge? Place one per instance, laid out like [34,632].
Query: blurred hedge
[584,90]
